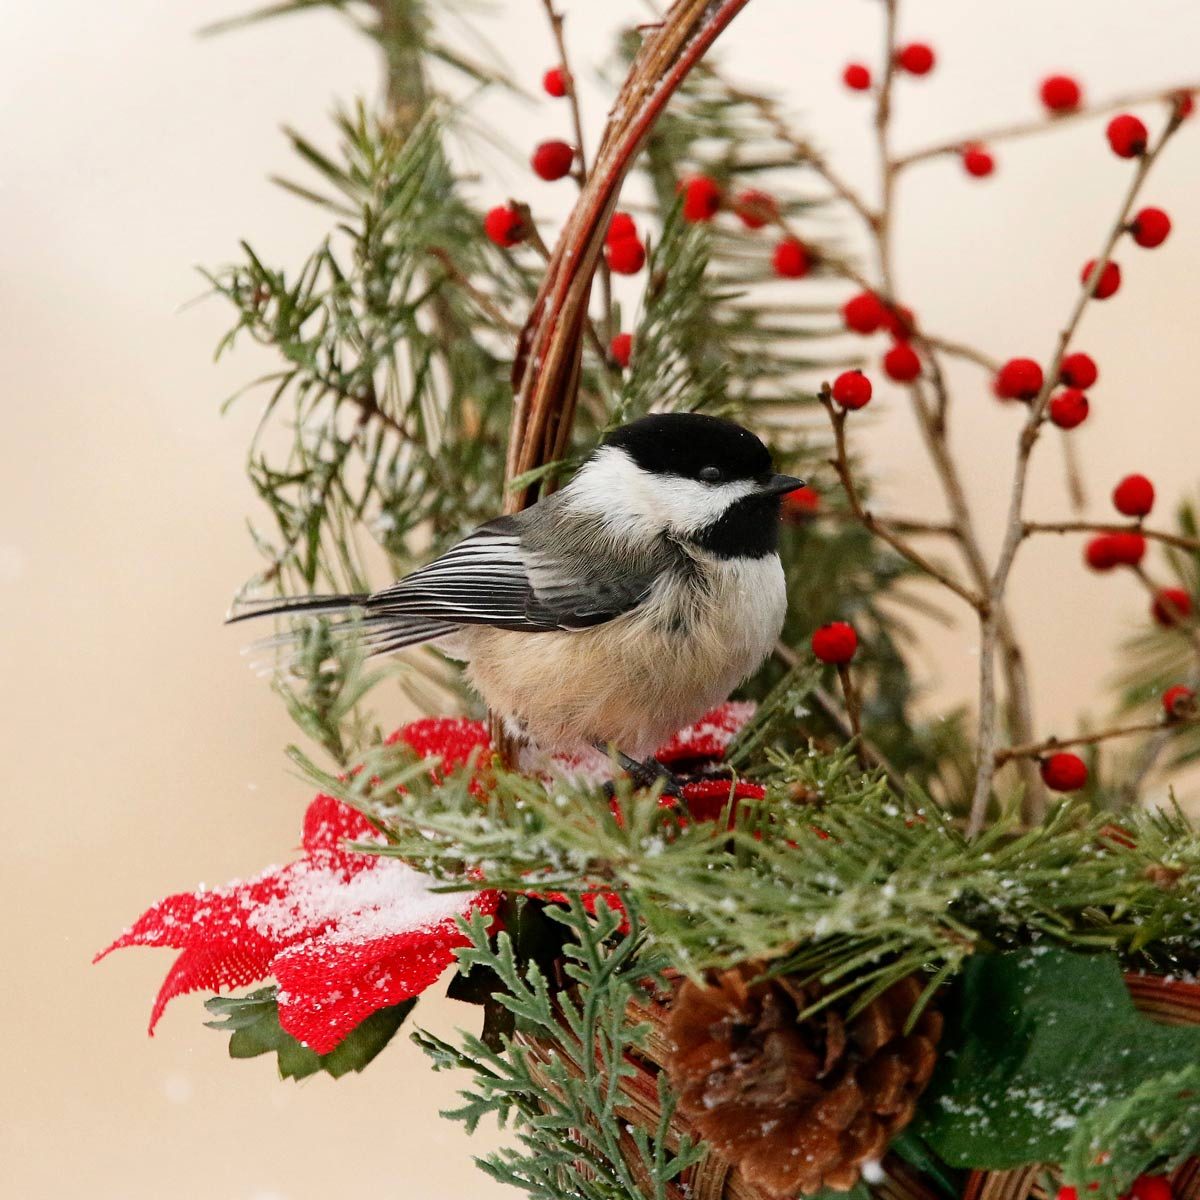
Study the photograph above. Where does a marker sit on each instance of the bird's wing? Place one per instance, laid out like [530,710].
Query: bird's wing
[496,576]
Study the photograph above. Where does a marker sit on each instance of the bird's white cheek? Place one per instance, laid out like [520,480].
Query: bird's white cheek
[688,506]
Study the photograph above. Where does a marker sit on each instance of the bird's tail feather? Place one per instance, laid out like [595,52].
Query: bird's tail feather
[378,633]
[244,610]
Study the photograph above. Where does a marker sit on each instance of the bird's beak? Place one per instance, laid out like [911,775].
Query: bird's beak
[780,485]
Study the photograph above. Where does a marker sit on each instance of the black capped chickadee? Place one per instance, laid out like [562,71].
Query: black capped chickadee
[616,611]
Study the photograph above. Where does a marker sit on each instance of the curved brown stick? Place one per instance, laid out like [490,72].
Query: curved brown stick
[549,355]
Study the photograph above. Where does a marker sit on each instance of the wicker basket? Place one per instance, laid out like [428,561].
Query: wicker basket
[715,1178]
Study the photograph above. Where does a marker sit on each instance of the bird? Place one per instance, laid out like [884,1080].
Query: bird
[613,612]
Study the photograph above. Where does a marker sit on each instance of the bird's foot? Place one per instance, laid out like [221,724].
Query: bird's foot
[646,774]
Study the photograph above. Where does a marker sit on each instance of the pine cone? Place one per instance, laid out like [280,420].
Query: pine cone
[797,1105]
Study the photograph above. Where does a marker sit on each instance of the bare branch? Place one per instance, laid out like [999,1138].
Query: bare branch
[1052,744]
[841,464]
[1019,129]
[1155,535]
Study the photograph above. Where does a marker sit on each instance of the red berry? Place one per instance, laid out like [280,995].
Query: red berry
[1064,772]
[901,363]
[864,313]
[1109,282]
[1150,227]
[856,77]
[1185,105]
[852,389]
[916,58]
[800,504]
[756,208]
[503,225]
[619,228]
[1100,553]
[1134,496]
[1151,1187]
[1069,408]
[1078,371]
[1018,379]
[977,161]
[790,260]
[1060,93]
[555,82]
[701,199]
[1170,605]
[621,347]
[899,321]
[1128,548]
[626,256]
[835,643]
[1067,1193]
[1127,136]
[552,160]
[1177,701]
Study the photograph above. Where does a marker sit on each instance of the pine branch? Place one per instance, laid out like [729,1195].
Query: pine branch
[559,1080]
[861,875]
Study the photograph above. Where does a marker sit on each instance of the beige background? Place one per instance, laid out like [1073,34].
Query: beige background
[141,756]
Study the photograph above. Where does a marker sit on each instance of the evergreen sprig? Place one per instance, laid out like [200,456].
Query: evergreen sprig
[832,876]
[1153,1128]
[558,1080]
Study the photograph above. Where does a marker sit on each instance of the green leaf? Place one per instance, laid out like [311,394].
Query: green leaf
[1037,1042]
[1155,1127]
[860,1191]
[253,1023]
[915,1151]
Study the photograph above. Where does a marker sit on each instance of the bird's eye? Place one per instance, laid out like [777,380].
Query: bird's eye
[710,474]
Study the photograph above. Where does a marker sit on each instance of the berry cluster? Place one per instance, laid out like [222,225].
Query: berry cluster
[1021,380]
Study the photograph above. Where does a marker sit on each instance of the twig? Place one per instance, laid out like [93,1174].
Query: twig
[1050,745]
[1184,622]
[914,526]
[556,28]
[960,350]
[834,714]
[1076,489]
[1004,133]
[547,368]
[841,465]
[932,420]
[535,239]
[801,147]
[1014,529]
[853,707]
[1152,750]
[1155,535]
[887,173]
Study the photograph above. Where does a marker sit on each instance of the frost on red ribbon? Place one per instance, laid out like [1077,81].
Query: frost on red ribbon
[343,933]
[346,933]
[709,737]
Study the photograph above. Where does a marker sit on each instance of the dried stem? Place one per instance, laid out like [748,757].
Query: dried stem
[1184,622]
[556,28]
[1154,535]
[1019,129]
[843,723]
[853,706]
[1036,750]
[547,369]
[803,150]
[841,464]
[1015,526]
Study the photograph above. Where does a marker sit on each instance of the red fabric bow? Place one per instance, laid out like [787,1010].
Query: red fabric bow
[345,933]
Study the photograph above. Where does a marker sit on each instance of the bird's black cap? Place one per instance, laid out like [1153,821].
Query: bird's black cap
[687,444]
